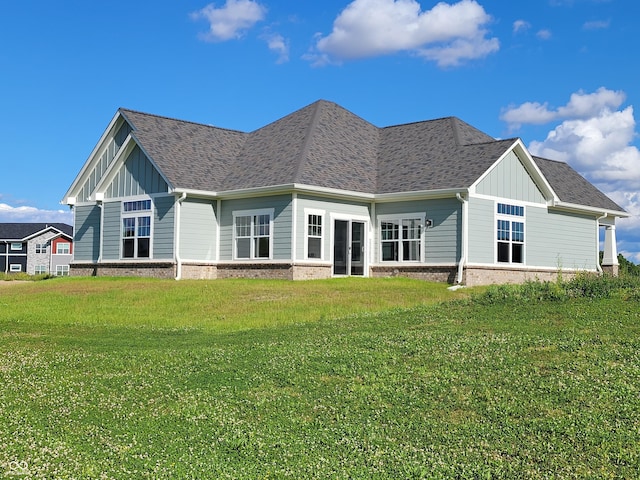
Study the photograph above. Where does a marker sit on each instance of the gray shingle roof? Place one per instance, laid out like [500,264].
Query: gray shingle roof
[325,145]
[572,187]
[20,231]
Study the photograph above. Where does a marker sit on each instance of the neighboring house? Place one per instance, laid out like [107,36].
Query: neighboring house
[322,193]
[36,248]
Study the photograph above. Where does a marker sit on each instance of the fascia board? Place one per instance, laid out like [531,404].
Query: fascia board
[92,159]
[47,229]
[421,194]
[572,207]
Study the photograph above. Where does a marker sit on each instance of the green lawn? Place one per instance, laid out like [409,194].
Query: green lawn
[354,378]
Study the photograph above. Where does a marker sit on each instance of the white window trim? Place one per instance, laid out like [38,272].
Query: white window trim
[510,219]
[62,270]
[67,244]
[252,213]
[399,217]
[43,269]
[322,215]
[16,246]
[15,268]
[136,214]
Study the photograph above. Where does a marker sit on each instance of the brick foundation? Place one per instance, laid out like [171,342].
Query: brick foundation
[124,269]
[474,276]
[445,274]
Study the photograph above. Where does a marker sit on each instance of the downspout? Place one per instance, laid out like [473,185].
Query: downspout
[463,238]
[177,242]
[598,266]
[101,207]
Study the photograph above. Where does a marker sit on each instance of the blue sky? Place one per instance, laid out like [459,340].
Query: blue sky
[561,74]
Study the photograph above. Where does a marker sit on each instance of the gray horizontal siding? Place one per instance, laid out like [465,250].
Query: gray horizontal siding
[482,231]
[111,234]
[163,227]
[86,236]
[198,230]
[442,240]
[557,239]
[281,224]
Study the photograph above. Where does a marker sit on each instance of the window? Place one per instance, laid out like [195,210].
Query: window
[41,269]
[314,235]
[41,248]
[401,239]
[136,229]
[510,233]
[63,248]
[253,234]
[62,270]
[16,246]
[15,267]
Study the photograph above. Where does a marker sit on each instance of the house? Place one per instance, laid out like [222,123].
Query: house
[323,193]
[36,248]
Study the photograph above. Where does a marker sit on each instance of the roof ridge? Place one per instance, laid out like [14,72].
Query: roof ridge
[308,135]
[173,119]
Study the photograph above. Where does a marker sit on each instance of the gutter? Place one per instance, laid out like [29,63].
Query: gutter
[177,242]
[463,237]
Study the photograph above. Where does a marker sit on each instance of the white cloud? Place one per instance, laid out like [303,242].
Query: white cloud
[32,214]
[447,34]
[230,21]
[544,34]
[279,45]
[595,136]
[521,26]
[580,105]
[597,25]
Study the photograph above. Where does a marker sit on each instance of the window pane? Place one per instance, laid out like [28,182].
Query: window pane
[144,226]
[128,227]
[128,247]
[503,252]
[313,248]
[411,229]
[517,253]
[243,226]
[243,247]
[518,231]
[389,251]
[262,247]
[411,251]
[503,230]
[143,248]
[389,230]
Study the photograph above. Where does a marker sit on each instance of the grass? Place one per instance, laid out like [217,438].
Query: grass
[500,386]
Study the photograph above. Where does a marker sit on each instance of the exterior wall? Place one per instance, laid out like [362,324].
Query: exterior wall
[111,235]
[329,207]
[475,276]
[137,176]
[34,259]
[109,151]
[446,274]
[198,229]
[163,227]
[509,179]
[442,240]
[481,233]
[281,224]
[86,233]
[560,240]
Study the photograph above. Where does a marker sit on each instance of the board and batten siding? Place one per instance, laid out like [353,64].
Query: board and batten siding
[328,207]
[86,236]
[481,231]
[282,216]
[509,179]
[110,149]
[560,240]
[137,176]
[442,240]
[198,229]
